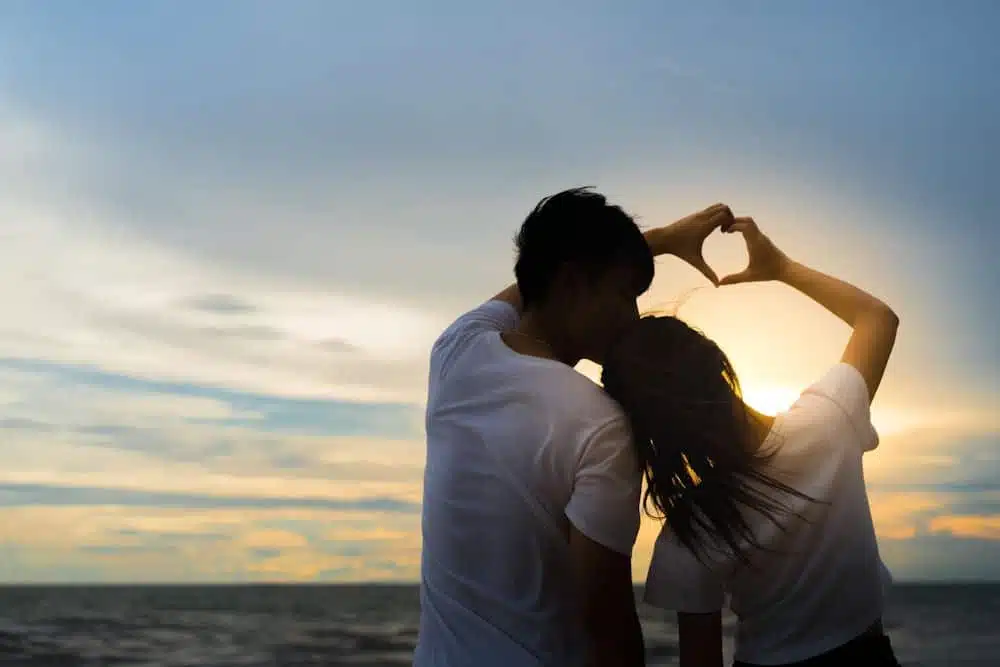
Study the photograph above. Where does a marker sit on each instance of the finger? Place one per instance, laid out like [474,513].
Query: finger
[745,276]
[717,208]
[720,211]
[714,211]
[715,217]
[702,266]
[742,225]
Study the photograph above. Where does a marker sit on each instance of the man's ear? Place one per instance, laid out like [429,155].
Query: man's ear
[568,280]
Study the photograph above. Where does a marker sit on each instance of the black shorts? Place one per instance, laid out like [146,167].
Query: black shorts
[870,650]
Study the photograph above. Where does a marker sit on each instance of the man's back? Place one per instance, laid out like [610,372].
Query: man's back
[517,448]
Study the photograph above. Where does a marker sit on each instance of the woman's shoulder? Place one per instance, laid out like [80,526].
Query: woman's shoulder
[832,411]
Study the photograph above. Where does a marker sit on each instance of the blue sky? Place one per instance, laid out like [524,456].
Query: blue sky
[232,229]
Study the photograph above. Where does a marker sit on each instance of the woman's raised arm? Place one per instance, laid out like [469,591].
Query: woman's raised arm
[874,323]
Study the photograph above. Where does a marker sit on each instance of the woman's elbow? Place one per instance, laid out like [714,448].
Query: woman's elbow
[885,317]
[891,318]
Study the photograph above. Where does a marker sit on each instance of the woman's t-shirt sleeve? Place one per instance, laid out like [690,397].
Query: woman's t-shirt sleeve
[678,581]
[845,395]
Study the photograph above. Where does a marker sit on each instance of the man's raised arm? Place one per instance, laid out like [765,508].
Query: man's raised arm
[683,239]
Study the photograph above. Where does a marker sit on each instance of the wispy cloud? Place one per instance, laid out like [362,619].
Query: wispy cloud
[44,495]
[226,304]
[82,284]
[943,555]
[223,544]
[969,527]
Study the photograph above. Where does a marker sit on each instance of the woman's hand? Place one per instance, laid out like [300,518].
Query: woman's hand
[686,237]
[766,261]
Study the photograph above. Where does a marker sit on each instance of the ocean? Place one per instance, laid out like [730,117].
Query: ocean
[373,625]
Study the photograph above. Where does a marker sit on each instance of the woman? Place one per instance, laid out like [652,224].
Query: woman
[770,512]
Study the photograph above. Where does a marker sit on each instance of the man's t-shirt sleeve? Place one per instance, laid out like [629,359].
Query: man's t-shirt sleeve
[604,504]
[494,315]
[844,395]
[677,581]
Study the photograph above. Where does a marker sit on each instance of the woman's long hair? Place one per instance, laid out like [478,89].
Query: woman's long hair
[695,438]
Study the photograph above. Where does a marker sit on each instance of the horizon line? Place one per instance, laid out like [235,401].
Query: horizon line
[376,583]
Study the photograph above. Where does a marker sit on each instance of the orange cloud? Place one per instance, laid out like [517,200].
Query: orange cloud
[898,515]
[978,527]
[273,539]
[128,544]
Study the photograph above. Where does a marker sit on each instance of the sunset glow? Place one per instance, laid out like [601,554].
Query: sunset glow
[770,400]
[222,267]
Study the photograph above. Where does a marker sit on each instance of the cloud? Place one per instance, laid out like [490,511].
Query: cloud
[338,345]
[942,557]
[119,544]
[78,436]
[76,439]
[265,553]
[44,495]
[961,458]
[221,277]
[20,424]
[968,527]
[129,550]
[83,285]
[904,515]
[225,304]
[247,332]
[43,394]
[924,481]
[170,536]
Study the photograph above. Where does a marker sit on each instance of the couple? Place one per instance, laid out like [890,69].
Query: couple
[532,489]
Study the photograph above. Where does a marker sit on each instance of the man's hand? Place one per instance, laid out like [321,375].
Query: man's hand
[686,237]
[766,261]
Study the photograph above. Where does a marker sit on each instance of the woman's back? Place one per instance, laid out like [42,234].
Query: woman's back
[818,580]
[772,513]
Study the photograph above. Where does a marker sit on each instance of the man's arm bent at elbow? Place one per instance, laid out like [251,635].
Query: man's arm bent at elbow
[603,580]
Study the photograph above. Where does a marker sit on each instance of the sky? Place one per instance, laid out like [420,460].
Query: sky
[230,231]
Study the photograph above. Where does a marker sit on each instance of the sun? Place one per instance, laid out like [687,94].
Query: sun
[769,400]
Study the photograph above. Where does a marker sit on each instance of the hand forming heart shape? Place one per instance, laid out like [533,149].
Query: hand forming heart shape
[766,261]
[687,239]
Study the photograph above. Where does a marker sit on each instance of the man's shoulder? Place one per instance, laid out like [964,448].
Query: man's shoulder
[493,315]
[489,318]
[568,389]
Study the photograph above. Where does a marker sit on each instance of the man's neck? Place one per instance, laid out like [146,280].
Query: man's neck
[534,326]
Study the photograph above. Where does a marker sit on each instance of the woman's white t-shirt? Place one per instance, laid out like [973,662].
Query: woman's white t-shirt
[819,583]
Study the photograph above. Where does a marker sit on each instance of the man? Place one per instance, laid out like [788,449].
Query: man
[531,487]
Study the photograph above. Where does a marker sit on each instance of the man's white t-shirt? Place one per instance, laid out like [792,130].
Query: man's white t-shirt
[820,584]
[518,447]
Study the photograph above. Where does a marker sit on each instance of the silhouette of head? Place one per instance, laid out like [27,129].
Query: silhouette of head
[581,264]
[695,438]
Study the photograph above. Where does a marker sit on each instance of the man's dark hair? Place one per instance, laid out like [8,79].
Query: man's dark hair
[578,227]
